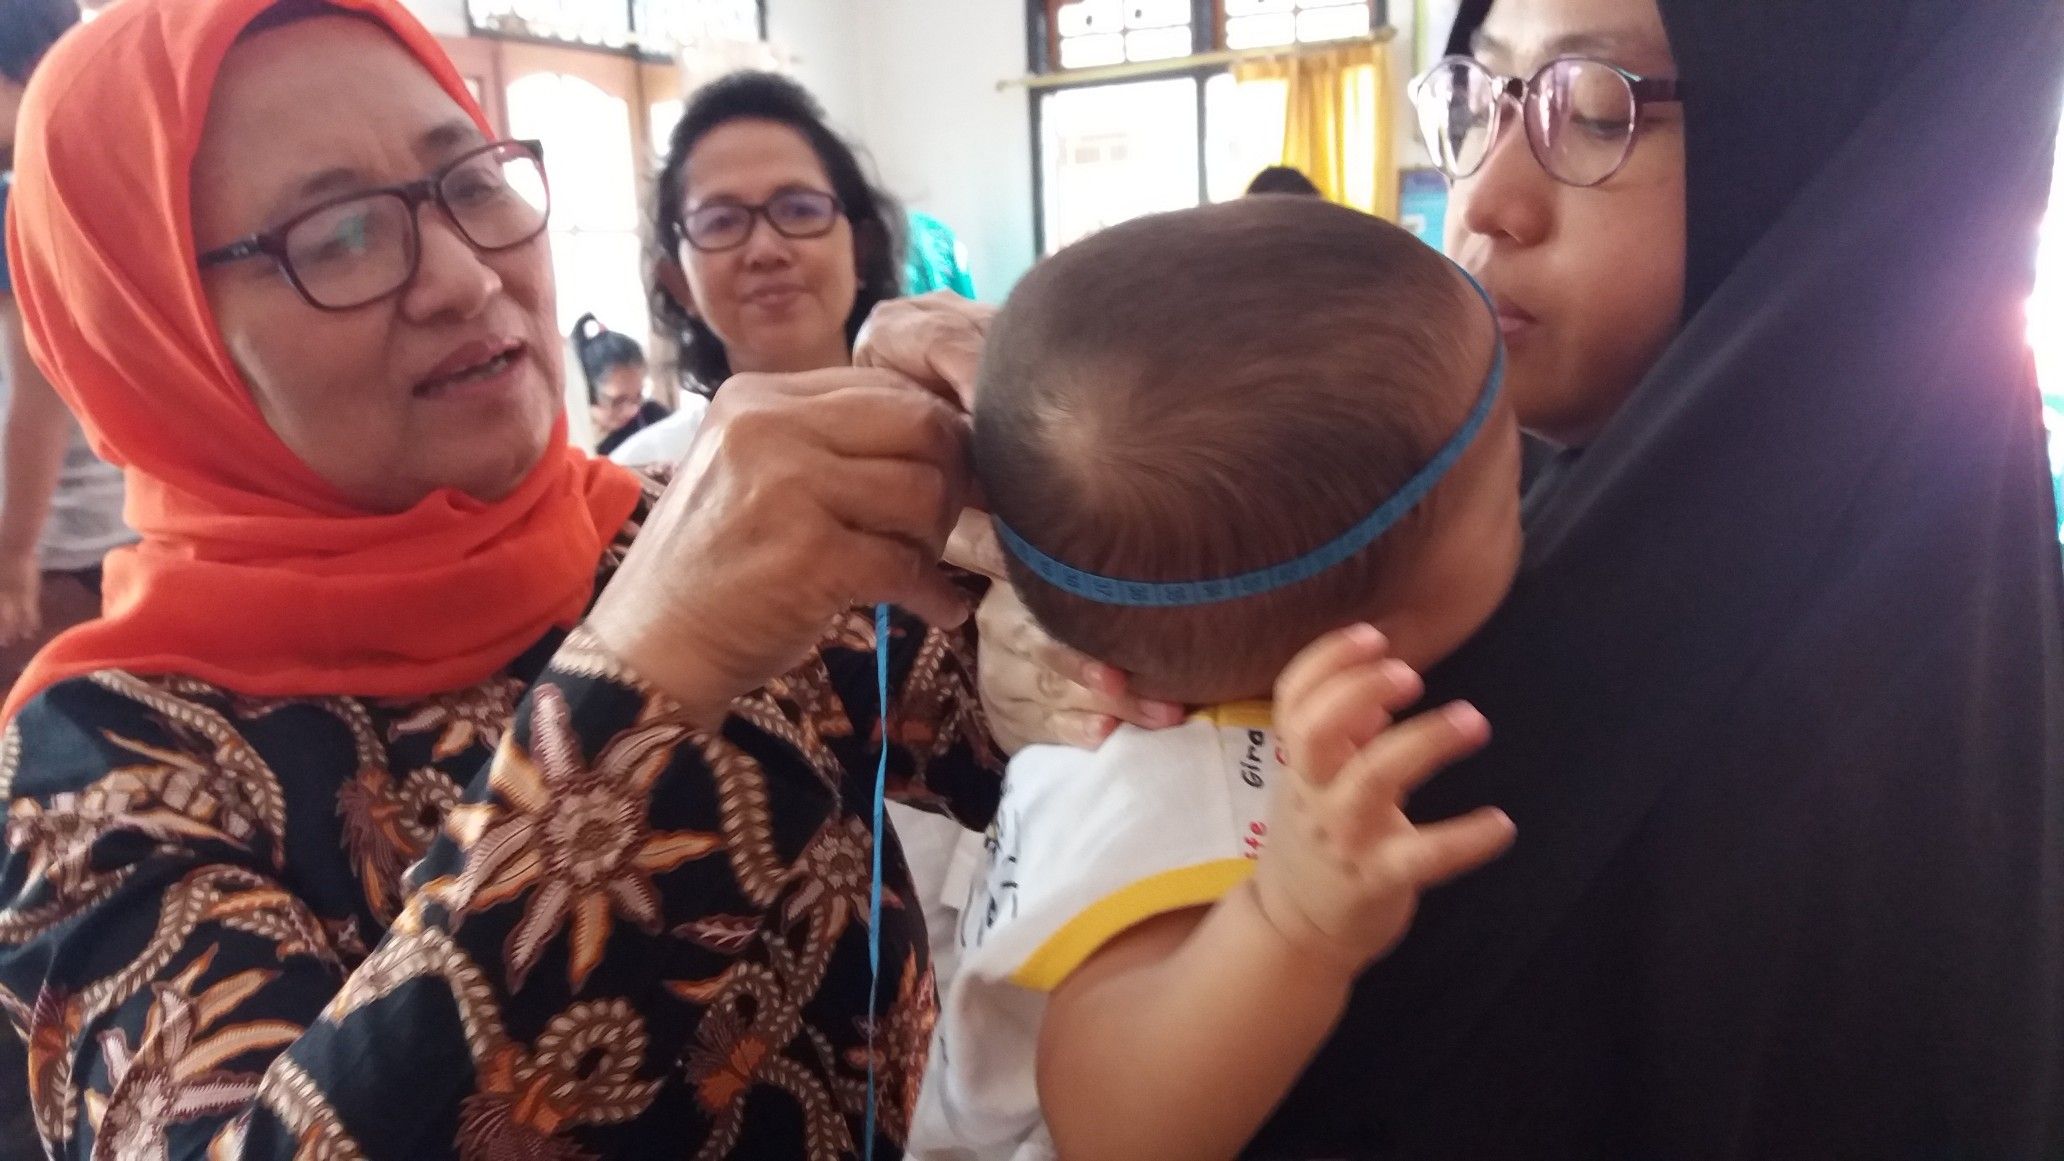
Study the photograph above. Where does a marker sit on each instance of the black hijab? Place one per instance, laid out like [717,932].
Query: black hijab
[1779,696]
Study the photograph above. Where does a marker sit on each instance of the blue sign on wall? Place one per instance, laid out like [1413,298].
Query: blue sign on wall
[1423,204]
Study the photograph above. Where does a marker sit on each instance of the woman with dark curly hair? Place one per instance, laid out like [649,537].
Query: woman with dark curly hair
[773,245]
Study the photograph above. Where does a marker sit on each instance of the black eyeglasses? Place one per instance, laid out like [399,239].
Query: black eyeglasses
[1581,115]
[363,247]
[794,213]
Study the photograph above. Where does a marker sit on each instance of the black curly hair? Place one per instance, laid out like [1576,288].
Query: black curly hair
[876,217]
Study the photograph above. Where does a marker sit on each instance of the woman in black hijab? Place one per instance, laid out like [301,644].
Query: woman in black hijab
[1779,696]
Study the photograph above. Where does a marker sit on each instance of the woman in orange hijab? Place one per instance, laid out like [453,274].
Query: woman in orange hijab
[360,824]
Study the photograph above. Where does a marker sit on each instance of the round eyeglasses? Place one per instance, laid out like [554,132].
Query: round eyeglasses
[794,213]
[361,248]
[1581,115]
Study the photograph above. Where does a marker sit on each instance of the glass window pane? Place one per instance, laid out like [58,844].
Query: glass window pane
[1266,23]
[1261,31]
[1103,32]
[1243,132]
[1088,18]
[1157,14]
[1086,52]
[667,26]
[1338,23]
[568,21]
[1114,152]
[663,116]
[2046,326]
[1157,44]
[588,144]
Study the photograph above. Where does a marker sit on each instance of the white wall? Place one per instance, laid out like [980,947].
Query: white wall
[443,17]
[915,82]
[829,52]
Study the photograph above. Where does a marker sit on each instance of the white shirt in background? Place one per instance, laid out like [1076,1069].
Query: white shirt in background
[665,442]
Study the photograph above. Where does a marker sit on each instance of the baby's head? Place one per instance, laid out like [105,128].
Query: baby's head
[1203,394]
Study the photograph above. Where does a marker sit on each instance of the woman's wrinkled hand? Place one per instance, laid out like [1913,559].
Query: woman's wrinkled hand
[1035,689]
[803,496]
[935,338]
[1039,691]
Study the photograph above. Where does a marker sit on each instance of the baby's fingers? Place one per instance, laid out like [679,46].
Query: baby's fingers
[1338,650]
[1376,781]
[1434,853]
[1346,713]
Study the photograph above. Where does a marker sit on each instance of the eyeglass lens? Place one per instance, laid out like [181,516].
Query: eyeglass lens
[360,250]
[797,213]
[1579,117]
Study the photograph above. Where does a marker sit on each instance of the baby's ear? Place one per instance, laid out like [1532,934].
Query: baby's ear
[674,281]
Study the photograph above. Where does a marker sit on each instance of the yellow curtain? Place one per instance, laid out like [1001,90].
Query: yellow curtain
[1337,121]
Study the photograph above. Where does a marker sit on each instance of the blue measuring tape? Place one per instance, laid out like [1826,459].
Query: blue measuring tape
[1108,590]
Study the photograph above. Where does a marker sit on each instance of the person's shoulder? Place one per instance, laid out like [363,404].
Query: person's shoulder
[74,733]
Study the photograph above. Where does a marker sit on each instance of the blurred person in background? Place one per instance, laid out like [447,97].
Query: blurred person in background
[60,506]
[613,365]
[1282,179]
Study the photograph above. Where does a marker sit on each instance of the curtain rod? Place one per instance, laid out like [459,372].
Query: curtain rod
[1182,64]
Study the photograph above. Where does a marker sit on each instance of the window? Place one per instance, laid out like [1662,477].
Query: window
[582,22]
[2046,326]
[656,28]
[1089,33]
[596,243]
[1113,152]
[1137,111]
[668,26]
[1267,23]
[1100,33]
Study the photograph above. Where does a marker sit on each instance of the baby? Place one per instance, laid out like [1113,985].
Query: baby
[1209,439]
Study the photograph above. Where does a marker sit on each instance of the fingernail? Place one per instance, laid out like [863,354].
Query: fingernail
[1401,675]
[1367,636]
[1162,713]
[1465,717]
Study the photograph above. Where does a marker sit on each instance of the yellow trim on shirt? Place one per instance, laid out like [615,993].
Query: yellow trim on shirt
[1239,715]
[1126,908]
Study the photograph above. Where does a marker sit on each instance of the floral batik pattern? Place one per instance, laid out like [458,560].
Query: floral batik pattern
[543,917]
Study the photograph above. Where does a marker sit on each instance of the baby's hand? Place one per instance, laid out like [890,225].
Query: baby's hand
[1343,868]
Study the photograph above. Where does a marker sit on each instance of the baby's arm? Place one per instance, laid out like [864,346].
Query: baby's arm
[1178,1038]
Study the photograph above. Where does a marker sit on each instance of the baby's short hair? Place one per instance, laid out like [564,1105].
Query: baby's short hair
[1200,394]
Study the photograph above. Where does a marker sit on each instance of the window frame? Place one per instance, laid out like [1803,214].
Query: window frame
[1208,58]
[634,49]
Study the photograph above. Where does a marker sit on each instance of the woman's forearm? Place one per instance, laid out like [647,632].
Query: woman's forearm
[37,431]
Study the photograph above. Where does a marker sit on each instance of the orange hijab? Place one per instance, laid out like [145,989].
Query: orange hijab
[252,572]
